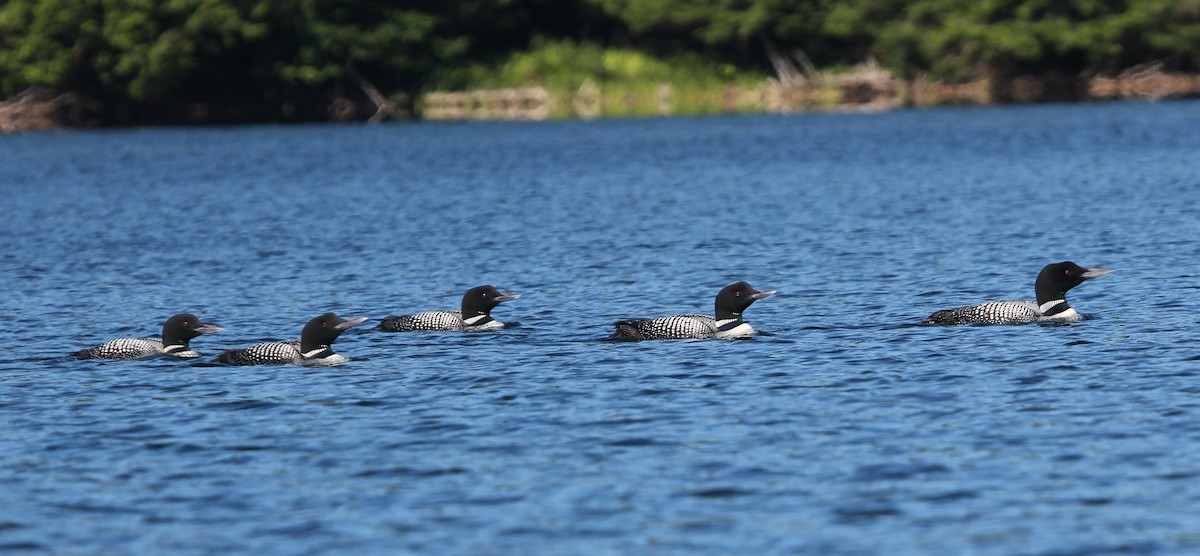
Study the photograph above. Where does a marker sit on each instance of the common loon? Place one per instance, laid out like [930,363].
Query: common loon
[1051,288]
[728,323]
[176,333]
[312,349]
[475,316]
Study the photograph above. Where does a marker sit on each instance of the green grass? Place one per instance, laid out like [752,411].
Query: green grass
[616,82]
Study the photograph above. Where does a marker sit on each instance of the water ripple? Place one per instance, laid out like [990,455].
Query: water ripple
[849,428]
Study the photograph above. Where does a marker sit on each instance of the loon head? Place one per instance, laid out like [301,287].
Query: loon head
[736,298]
[183,327]
[322,331]
[1056,279]
[482,299]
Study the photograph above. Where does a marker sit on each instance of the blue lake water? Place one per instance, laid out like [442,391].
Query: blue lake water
[849,429]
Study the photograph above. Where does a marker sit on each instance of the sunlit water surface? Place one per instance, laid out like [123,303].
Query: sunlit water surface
[850,429]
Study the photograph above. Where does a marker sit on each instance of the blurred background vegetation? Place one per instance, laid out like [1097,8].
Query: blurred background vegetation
[179,61]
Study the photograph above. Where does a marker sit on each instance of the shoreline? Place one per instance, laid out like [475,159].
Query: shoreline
[865,89]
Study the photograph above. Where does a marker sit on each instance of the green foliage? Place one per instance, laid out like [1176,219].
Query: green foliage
[38,39]
[961,39]
[566,65]
[137,52]
[627,81]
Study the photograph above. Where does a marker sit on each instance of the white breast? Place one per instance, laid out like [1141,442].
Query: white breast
[740,331]
[485,323]
[1070,315]
[334,359]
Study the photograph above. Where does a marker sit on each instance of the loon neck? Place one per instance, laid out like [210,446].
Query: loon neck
[477,320]
[175,346]
[1054,306]
[468,314]
[316,352]
[727,314]
[725,325]
[1047,291]
[313,344]
[171,338]
[472,307]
